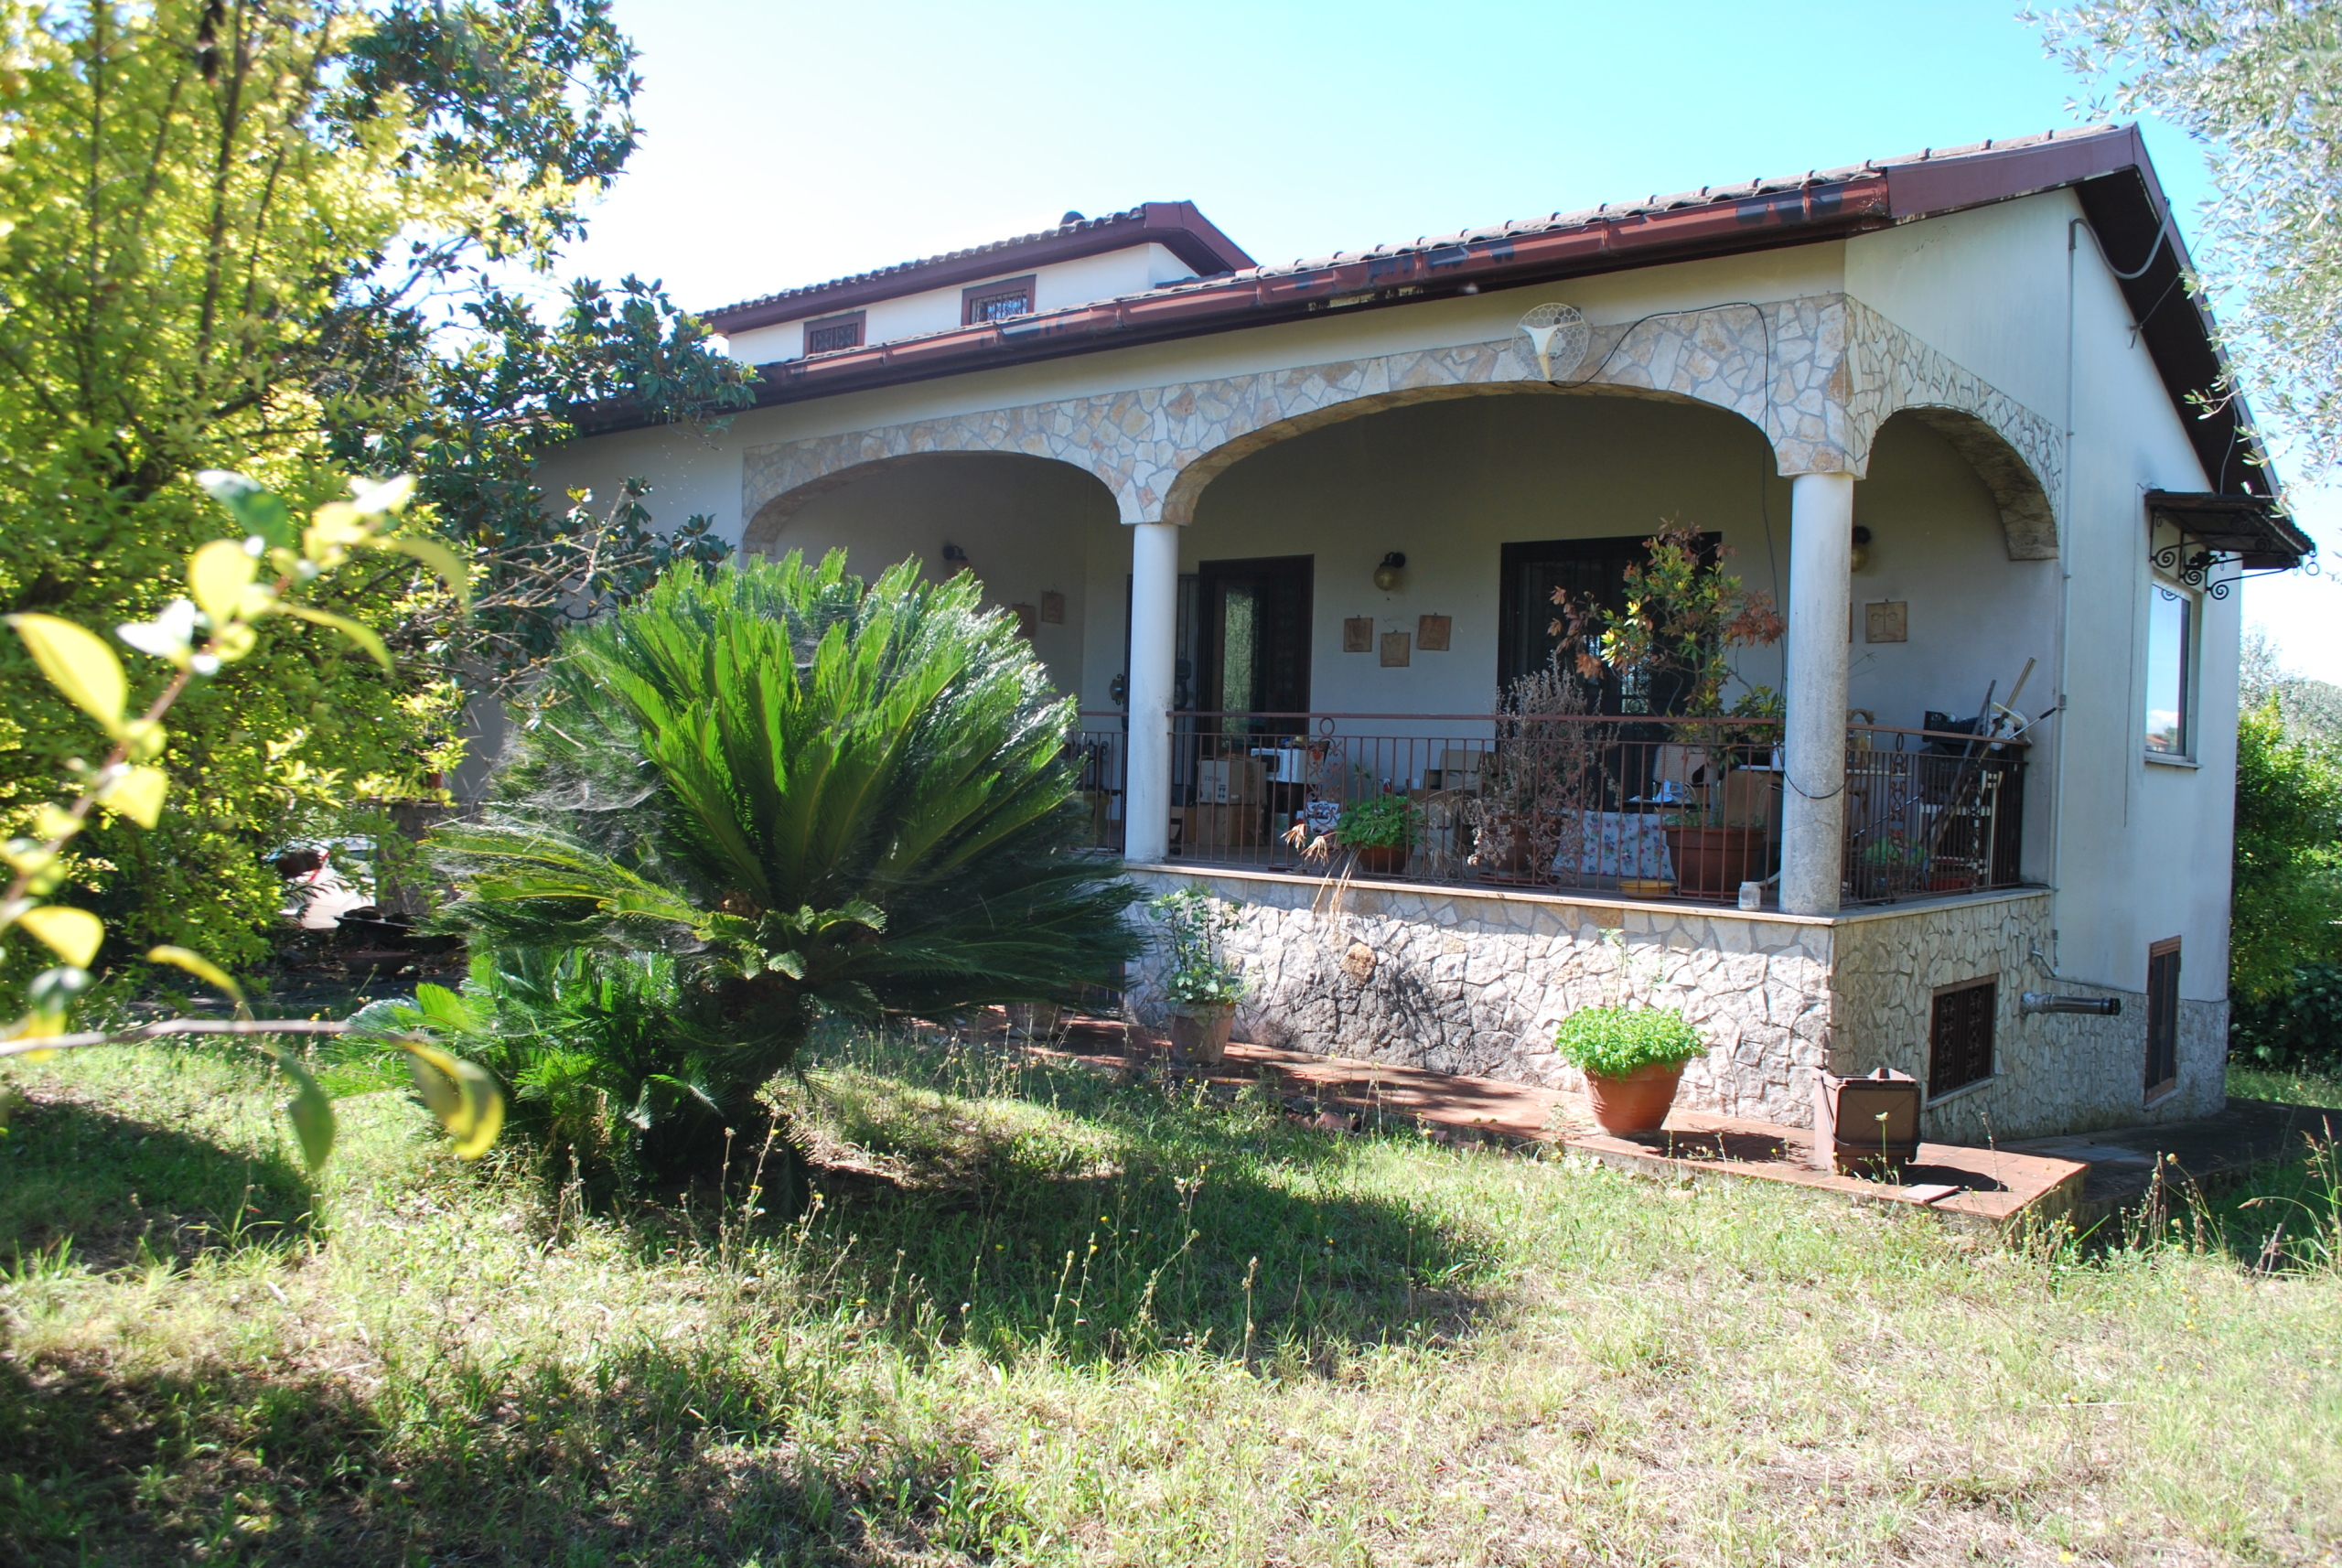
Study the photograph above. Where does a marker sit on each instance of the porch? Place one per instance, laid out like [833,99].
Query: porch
[1635,806]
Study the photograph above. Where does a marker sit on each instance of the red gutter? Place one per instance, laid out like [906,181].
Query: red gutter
[1732,224]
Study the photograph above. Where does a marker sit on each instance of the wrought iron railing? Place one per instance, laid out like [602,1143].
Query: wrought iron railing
[1647,807]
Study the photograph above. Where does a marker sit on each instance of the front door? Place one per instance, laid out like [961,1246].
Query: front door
[1253,643]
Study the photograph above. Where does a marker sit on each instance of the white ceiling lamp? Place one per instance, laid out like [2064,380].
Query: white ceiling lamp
[1559,335]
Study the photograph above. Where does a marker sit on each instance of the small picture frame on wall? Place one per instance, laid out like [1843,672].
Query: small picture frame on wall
[1396,647]
[1888,620]
[1432,632]
[1358,634]
[1053,606]
[1029,621]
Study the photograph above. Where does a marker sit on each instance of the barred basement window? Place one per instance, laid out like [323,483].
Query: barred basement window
[832,333]
[996,301]
[1960,1036]
[2162,1016]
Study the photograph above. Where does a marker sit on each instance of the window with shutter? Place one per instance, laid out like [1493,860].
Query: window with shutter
[832,333]
[1960,1036]
[996,301]
[2162,1017]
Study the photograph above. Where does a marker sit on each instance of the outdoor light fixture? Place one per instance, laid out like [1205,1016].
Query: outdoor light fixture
[1386,576]
[1859,557]
[1558,336]
[954,554]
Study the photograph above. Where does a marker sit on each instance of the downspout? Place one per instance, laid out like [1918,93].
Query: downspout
[2065,614]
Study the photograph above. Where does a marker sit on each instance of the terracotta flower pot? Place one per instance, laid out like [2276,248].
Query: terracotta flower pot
[1711,863]
[1200,1032]
[1635,1103]
[1382,859]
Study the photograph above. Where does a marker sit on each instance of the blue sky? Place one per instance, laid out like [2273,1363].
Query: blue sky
[785,143]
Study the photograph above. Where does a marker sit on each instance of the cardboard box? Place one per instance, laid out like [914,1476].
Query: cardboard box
[1205,829]
[1230,780]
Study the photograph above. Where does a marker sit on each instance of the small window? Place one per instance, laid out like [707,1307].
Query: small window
[996,301]
[2162,1016]
[2171,659]
[832,333]
[1960,1036]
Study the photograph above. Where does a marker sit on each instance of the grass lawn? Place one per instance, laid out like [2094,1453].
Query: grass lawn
[2297,1086]
[1023,1315]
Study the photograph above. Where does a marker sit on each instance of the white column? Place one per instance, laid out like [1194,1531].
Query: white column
[1155,647]
[1813,810]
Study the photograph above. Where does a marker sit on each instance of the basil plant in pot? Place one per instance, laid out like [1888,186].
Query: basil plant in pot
[1633,1057]
[1201,983]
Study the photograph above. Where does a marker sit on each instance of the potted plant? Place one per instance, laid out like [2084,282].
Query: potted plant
[1380,830]
[1670,641]
[1202,983]
[1632,1058]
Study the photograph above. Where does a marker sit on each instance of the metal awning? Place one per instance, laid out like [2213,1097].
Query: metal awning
[2254,532]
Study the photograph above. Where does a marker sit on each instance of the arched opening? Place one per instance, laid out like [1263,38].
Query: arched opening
[2028,521]
[1037,532]
[1493,499]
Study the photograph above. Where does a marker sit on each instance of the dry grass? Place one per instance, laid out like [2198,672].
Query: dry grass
[1035,1317]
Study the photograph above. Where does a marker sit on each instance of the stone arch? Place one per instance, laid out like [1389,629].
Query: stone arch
[767,524]
[1179,503]
[2026,515]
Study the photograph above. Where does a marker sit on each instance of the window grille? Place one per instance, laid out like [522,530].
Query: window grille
[833,333]
[2162,1016]
[1960,1036]
[996,301]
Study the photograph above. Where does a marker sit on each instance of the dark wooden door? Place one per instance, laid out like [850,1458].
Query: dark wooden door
[1589,570]
[1252,641]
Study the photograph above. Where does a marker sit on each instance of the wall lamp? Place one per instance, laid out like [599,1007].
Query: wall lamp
[1386,576]
[1859,557]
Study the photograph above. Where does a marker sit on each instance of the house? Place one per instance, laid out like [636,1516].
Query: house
[1287,532]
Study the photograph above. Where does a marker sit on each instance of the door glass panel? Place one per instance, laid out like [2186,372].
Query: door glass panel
[1240,661]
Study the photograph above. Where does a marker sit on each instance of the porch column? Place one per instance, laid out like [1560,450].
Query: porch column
[1155,646]
[1814,810]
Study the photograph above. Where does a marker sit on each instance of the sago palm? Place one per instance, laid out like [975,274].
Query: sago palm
[812,795]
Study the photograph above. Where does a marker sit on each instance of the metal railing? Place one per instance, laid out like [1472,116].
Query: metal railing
[1645,806]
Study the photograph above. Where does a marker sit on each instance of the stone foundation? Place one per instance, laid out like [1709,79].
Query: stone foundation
[1471,980]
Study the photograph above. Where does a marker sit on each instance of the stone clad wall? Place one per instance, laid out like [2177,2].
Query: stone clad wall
[2051,1073]
[1460,981]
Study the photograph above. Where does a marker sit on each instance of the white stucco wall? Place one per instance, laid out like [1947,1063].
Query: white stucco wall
[1060,285]
[2142,851]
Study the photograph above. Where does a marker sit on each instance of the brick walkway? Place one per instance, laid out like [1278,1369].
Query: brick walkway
[1990,1187]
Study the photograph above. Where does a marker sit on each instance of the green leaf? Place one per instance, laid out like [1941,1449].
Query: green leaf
[77,664]
[309,1110]
[138,795]
[217,575]
[204,969]
[358,632]
[461,1093]
[72,934]
[436,556]
[255,509]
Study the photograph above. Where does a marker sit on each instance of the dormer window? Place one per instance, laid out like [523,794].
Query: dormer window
[996,301]
[832,333]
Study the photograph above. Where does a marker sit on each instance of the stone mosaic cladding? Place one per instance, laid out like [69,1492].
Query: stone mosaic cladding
[1457,981]
[1819,375]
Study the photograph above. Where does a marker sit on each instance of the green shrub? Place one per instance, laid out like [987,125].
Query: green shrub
[815,795]
[1379,821]
[1196,972]
[2287,906]
[1611,1042]
[2300,1027]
